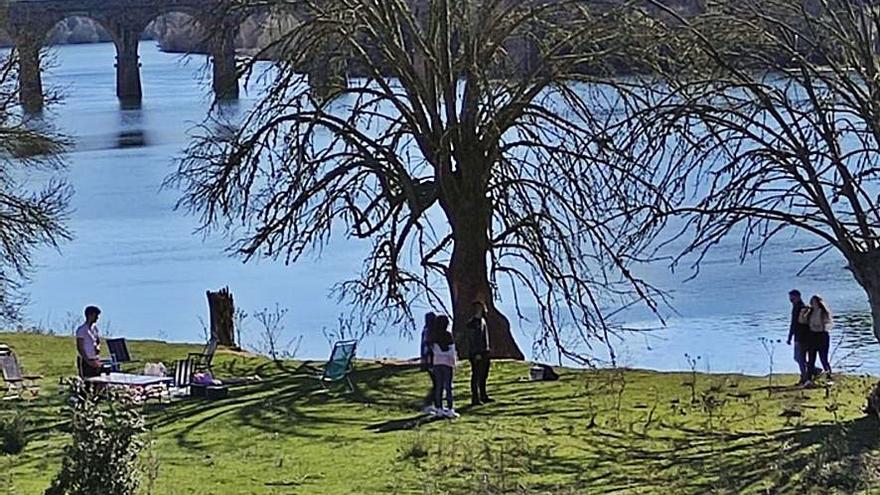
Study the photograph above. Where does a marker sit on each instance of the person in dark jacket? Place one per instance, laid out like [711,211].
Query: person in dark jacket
[798,333]
[478,353]
[426,362]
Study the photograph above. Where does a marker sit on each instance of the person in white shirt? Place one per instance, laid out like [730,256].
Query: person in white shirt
[444,363]
[88,344]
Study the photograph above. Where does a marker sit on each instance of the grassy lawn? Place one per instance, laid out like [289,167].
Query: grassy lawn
[606,431]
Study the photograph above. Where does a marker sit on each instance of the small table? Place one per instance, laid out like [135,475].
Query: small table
[129,379]
[140,383]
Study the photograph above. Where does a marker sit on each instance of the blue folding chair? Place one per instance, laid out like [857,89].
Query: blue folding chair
[340,364]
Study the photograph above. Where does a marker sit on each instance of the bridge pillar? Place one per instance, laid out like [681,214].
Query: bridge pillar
[128,67]
[524,56]
[327,78]
[30,82]
[225,81]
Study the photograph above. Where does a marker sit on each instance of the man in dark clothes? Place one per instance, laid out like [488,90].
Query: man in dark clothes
[799,332]
[426,362]
[478,352]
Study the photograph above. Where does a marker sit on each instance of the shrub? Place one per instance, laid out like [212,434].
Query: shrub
[849,474]
[13,434]
[415,449]
[106,433]
[873,406]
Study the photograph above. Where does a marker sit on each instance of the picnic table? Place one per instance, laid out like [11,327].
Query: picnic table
[130,380]
[144,386]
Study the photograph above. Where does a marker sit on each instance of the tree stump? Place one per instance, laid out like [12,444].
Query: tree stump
[222,310]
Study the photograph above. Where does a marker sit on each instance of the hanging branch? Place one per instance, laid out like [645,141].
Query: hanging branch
[482,139]
[777,101]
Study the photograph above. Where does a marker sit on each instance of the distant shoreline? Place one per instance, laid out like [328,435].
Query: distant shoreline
[405,362]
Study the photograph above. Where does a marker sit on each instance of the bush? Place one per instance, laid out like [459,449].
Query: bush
[849,474]
[415,449]
[872,408]
[106,431]
[13,434]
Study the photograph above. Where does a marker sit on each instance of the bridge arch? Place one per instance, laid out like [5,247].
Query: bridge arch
[29,22]
[216,34]
[92,30]
[184,22]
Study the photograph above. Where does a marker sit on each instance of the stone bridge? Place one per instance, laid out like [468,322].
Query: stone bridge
[29,23]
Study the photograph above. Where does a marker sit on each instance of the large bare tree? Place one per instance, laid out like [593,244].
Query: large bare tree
[778,104]
[33,201]
[484,145]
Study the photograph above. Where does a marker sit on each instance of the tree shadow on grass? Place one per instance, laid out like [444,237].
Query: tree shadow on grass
[289,400]
[403,424]
[679,459]
[690,461]
[669,459]
[782,389]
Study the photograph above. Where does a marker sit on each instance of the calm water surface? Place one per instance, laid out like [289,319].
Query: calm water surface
[141,262]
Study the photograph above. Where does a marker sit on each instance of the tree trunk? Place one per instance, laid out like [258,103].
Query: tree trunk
[222,310]
[468,280]
[866,269]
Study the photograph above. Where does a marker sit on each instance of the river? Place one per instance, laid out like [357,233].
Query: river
[139,259]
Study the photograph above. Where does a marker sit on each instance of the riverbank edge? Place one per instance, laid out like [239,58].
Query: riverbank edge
[189,346]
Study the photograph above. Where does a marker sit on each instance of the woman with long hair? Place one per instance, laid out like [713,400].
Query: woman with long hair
[426,362]
[818,316]
[444,365]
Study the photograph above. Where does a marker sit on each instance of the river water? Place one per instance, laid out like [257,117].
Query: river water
[139,260]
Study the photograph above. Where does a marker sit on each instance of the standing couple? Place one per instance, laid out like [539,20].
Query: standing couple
[438,358]
[810,327]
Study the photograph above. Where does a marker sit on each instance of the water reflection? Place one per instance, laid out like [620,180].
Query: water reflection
[131,139]
[853,345]
[126,104]
[734,343]
[131,129]
[228,108]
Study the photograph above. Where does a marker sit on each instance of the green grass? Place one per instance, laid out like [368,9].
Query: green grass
[607,431]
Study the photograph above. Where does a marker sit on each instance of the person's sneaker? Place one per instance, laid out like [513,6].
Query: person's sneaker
[476,403]
[439,412]
[429,409]
[486,400]
[451,414]
[806,385]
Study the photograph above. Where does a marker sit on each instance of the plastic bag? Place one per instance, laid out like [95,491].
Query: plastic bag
[155,369]
[204,379]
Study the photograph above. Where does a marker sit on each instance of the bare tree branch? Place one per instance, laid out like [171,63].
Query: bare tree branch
[482,138]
